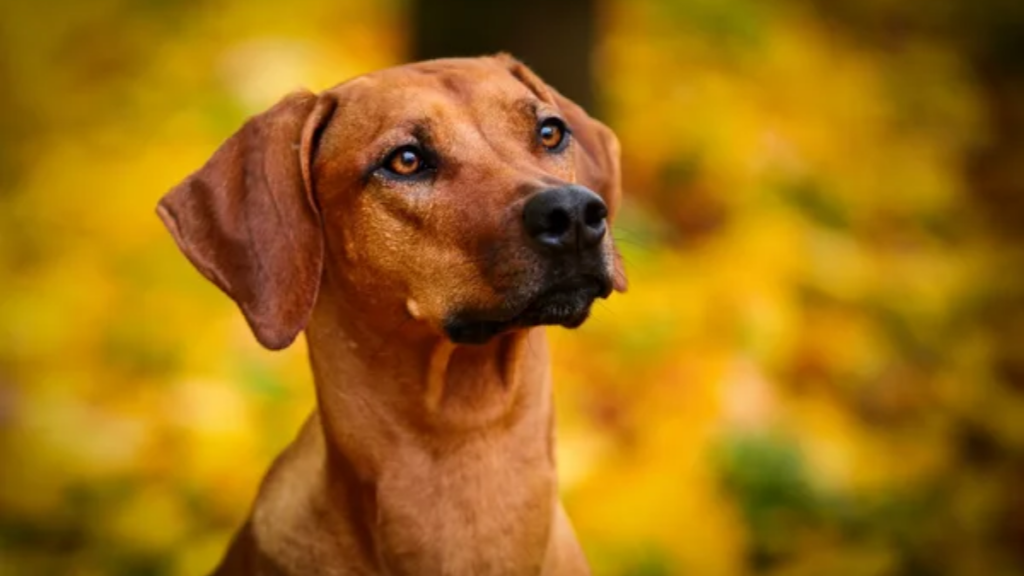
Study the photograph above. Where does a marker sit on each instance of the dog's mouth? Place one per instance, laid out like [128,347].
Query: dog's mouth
[565,303]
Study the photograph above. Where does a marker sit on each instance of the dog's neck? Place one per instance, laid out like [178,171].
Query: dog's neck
[403,410]
[396,381]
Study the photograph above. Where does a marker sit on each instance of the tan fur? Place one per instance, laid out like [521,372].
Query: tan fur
[423,457]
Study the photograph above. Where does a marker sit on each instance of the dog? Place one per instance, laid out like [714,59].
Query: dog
[421,224]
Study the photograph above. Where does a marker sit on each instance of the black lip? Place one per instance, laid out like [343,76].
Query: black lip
[565,303]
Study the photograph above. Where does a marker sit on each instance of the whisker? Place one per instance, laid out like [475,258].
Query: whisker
[640,245]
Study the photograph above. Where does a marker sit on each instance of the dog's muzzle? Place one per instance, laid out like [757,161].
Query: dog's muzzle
[566,227]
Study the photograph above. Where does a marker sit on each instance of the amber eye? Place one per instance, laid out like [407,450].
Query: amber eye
[406,161]
[552,133]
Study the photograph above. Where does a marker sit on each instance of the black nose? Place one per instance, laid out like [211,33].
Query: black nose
[569,218]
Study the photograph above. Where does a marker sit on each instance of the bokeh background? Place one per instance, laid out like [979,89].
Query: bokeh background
[818,370]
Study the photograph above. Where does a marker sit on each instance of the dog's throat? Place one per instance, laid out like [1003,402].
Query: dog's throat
[474,382]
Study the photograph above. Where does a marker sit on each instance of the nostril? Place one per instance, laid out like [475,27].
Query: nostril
[594,214]
[559,222]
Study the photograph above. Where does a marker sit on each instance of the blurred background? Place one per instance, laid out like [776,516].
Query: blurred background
[818,370]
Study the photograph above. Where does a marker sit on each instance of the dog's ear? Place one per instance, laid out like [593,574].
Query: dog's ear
[597,157]
[598,166]
[249,222]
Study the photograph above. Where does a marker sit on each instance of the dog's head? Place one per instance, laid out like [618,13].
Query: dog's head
[466,192]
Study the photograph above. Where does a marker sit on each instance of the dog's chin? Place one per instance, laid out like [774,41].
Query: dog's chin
[564,303]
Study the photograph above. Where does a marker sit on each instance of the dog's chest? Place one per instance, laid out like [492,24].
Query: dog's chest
[492,517]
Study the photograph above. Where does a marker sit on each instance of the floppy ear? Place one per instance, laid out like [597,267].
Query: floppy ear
[597,154]
[596,149]
[598,167]
[248,220]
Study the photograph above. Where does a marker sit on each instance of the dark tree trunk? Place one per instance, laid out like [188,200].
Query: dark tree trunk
[555,38]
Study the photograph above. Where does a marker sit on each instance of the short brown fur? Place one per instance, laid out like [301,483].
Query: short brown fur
[423,456]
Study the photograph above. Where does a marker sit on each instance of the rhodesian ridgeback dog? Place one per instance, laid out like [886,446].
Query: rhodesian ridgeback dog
[420,224]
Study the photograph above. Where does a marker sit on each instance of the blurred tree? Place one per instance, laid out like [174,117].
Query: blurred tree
[556,39]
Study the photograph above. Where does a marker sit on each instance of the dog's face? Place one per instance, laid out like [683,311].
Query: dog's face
[465,191]
[452,185]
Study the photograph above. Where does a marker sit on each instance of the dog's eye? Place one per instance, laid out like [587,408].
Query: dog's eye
[552,134]
[405,161]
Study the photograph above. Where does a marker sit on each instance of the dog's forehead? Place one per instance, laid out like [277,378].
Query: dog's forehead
[429,86]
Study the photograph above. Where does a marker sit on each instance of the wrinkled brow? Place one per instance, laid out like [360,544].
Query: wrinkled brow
[421,129]
[531,107]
